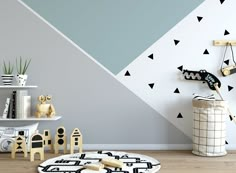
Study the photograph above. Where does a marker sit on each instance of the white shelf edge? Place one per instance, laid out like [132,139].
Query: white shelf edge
[17,87]
[34,119]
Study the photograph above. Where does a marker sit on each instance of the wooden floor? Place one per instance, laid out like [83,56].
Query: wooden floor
[171,162]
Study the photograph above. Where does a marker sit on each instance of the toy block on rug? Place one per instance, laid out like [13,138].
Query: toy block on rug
[94,166]
[76,140]
[112,162]
[60,140]
[36,146]
[19,145]
[47,139]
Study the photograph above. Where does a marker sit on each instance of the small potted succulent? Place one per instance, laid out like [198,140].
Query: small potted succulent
[7,76]
[21,68]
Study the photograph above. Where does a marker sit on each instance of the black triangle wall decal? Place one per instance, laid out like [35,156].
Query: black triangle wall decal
[226,142]
[226,32]
[180,68]
[179,115]
[206,52]
[176,42]
[230,88]
[199,18]
[127,73]
[231,119]
[222,1]
[151,56]
[226,62]
[151,85]
[176,90]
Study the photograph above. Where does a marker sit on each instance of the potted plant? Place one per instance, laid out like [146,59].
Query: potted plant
[7,76]
[21,68]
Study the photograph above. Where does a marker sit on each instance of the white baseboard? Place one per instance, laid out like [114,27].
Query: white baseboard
[137,146]
[144,147]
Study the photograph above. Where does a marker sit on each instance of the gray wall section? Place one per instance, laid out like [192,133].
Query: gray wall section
[114,32]
[83,93]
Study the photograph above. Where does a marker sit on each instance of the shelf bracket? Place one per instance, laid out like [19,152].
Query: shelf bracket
[224,42]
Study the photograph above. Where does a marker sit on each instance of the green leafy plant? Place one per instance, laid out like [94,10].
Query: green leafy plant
[21,66]
[7,68]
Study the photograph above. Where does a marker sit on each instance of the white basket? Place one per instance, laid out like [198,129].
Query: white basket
[209,128]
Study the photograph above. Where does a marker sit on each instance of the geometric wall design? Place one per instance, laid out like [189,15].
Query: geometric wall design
[114,33]
[156,75]
[90,98]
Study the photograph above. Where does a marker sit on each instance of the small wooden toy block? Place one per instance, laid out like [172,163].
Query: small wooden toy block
[76,140]
[36,146]
[47,139]
[19,145]
[60,140]
[112,162]
[94,166]
[43,108]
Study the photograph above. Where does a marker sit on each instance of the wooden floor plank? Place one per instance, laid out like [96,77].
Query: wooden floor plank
[171,162]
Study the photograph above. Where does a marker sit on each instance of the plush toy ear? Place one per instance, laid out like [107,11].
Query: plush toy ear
[42,98]
[48,98]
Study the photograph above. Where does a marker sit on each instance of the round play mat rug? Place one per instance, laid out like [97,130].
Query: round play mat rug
[73,163]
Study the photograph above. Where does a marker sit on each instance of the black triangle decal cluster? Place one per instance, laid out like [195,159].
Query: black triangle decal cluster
[151,85]
[176,42]
[199,18]
[226,32]
[179,115]
[222,1]
[226,62]
[206,52]
[127,73]
[180,68]
[151,56]
[230,88]
[176,91]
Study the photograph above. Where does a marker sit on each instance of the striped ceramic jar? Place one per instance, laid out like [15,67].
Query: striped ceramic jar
[7,79]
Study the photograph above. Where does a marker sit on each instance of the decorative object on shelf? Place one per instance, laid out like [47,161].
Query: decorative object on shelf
[47,139]
[6,110]
[76,140]
[43,108]
[135,163]
[60,140]
[22,67]
[36,146]
[7,76]
[9,134]
[19,145]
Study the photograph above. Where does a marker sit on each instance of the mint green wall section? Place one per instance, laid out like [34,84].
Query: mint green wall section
[114,32]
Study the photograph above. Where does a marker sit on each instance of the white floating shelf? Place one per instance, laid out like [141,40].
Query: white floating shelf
[17,87]
[34,119]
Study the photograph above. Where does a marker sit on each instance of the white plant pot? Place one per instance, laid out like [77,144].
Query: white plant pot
[7,79]
[21,79]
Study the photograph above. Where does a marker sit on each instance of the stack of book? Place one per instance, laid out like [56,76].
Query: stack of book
[18,106]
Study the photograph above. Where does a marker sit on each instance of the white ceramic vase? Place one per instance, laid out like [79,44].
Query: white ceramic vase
[7,79]
[21,79]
